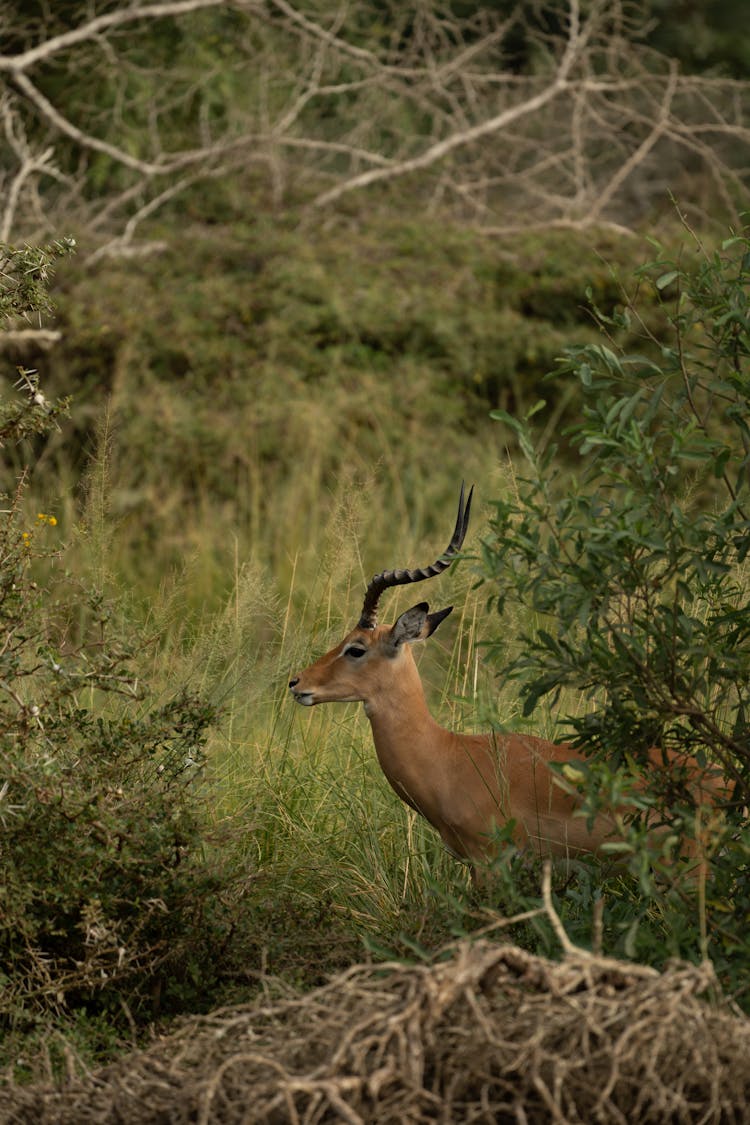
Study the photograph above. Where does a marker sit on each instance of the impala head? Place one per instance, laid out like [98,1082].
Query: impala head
[360,666]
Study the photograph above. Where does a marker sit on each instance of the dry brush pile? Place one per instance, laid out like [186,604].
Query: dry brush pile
[493,1034]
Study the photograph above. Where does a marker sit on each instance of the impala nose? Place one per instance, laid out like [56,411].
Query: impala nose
[300,695]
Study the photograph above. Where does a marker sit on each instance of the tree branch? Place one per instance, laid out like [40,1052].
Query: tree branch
[467,136]
[15,64]
[433,100]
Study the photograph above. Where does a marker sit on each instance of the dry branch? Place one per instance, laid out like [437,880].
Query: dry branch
[492,1034]
[95,28]
[595,133]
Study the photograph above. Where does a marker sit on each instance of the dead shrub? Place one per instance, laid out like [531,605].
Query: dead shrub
[493,1034]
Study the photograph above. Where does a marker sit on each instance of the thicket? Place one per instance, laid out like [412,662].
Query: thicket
[633,581]
[106,894]
[489,1032]
[503,117]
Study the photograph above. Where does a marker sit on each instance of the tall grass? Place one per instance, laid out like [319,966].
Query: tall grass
[298,801]
[239,582]
[297,796]
[318,812]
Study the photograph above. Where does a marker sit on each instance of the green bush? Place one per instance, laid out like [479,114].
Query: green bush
[104,889]
[635,579]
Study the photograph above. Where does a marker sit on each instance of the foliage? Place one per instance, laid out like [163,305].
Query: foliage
[702,36]
[218,365]
[699,36]
[279,391]
[138,883]
[243,555]
[104,889]
[636,574]
[25,275]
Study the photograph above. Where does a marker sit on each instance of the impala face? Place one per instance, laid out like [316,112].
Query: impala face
[362,666]
[365,662]
[337,676]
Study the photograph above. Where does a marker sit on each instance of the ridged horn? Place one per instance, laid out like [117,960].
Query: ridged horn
[390,578]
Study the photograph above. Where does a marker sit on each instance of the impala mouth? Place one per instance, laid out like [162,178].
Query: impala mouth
[305,698]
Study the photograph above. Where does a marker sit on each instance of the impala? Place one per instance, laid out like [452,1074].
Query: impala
[465,785]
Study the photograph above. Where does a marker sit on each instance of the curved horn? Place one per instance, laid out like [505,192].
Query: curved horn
[390,578]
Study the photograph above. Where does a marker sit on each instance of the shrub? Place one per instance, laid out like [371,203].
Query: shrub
[103,884]
[634,575]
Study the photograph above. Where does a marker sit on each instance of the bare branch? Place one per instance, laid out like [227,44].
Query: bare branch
[100,24]
[42,337]
[30,165]
[601,129]
[485,128]
[147,167]
[607,193]
[327,37]
[457,140]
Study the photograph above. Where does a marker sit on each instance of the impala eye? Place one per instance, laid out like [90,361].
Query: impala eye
[355,650]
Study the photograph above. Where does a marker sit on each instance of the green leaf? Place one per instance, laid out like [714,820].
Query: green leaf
[720,463]
[538,405]
[609,357]
[504,416]
[666,279]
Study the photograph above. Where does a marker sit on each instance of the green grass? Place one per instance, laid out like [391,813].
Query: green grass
[300,793]
[298,801]
[257,386]
[328,866]
[316,810]
[331,863]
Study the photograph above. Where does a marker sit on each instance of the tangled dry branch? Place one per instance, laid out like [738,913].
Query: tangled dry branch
[597,129]
[492,1034]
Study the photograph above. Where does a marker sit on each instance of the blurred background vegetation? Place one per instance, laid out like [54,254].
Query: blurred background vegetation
[315,247]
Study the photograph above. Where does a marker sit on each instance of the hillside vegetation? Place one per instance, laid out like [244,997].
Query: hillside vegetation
[270,371]
[253,398]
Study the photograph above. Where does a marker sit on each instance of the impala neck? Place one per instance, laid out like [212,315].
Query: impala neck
[404,731]
[400,698]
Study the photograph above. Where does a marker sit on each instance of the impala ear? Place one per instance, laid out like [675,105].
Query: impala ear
[417,624]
